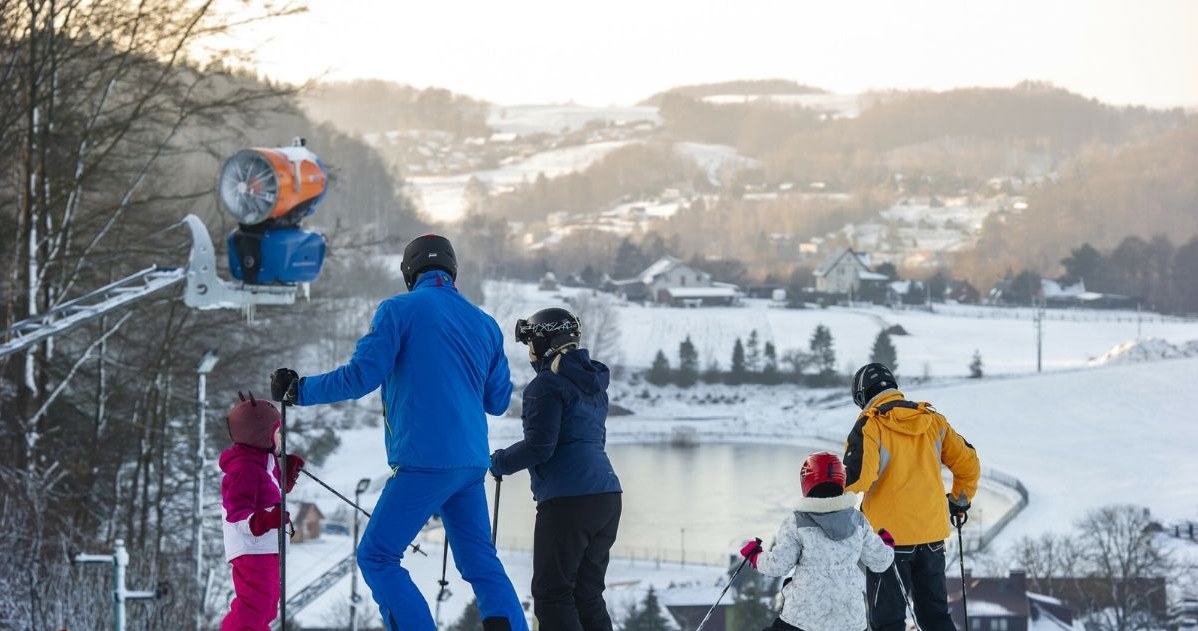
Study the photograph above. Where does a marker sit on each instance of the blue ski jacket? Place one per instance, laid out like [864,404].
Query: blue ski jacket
[440,362]
[565,431]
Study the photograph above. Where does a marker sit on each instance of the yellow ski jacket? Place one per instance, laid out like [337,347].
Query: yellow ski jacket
[894,455]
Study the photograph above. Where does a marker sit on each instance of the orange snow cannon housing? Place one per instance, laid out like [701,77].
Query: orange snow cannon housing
[266,183]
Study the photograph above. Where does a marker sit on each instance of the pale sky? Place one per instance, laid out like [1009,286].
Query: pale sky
[619,51]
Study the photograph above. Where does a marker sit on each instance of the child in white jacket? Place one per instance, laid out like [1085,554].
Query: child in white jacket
[825,542]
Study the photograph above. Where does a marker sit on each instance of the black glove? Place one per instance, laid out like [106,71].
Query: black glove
[284,385]
[958,509]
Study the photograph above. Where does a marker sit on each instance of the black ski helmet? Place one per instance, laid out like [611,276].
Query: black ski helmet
[548,331]
[431,251]
[869,381]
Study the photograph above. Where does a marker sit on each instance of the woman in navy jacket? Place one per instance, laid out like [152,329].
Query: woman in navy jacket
[576,489]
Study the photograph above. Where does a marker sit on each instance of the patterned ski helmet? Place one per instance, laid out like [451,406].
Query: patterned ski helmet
[548,331]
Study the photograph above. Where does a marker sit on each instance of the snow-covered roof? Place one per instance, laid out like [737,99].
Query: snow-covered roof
[702,292]
[661,266]
[832,261]
[900,287]
[1045,599]
[986,608]
[1052,288]
[863,275]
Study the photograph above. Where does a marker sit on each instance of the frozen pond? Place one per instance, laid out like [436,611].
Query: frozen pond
[701,501]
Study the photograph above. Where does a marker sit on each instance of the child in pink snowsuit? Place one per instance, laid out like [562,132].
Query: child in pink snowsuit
[250,495]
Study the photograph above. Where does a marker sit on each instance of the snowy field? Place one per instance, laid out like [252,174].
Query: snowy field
[554,119]
[716,160]
[937,345]
[839,105]
[442,197]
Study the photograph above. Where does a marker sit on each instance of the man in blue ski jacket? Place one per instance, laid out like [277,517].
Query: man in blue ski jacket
[440,362]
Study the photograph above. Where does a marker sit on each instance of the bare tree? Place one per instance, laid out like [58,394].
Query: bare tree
[1118,544]
[600,325]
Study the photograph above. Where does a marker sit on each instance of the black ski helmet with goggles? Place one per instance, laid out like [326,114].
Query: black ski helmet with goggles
[548,331]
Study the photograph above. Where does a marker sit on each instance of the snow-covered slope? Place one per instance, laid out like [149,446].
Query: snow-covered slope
[1078,440]
[443,197]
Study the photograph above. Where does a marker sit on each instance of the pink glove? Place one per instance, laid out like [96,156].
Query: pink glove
[751,551]
[886,538]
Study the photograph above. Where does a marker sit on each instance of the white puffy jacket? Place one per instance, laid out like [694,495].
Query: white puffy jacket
[826,542]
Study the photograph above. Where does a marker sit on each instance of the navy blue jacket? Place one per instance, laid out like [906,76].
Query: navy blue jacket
[441,364]
[565,416]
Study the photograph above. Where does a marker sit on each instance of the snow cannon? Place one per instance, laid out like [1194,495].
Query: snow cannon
[270,191]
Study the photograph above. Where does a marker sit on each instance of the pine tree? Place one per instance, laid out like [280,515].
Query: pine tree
[975,366]
[629,260]
[750,610]
[753,353]
[648,616]
[737,373]
[688,363]
[471,619]
[769,371]
[659,373]
[883,351]
[822,350]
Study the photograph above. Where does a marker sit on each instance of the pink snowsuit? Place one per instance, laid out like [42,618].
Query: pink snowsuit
[251,483]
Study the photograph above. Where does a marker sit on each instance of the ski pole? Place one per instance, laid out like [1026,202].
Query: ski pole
[413,546]
[717,601]
[282,459]
[443,594]
[495,513]
[906,597]
[959,521]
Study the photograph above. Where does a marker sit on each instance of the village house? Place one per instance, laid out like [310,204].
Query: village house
[844,272]
[1006,604]
[307,522]
[670,281]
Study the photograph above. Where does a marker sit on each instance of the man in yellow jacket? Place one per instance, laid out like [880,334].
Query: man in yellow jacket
[894,456]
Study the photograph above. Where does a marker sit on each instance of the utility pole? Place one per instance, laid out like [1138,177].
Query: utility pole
[354,598]
[684,546]
[1038,318]
[207,363]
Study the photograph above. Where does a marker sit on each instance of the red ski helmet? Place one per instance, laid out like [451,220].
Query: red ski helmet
[253,422]
[821,467]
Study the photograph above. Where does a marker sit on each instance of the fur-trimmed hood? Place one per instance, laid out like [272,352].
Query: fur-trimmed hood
[837,517]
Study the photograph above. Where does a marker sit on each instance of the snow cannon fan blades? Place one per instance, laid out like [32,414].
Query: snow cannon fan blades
[269,191]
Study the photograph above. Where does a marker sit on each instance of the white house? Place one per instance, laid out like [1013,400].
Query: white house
[843,272]
[670,281]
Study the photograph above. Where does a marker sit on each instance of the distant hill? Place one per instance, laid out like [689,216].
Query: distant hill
[372,106]
[1105,195]
[743,87]
[953,139]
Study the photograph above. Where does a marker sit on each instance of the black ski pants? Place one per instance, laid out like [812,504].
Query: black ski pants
[571,544]
[922,570]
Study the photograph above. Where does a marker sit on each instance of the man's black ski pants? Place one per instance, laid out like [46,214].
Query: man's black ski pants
[922,570]
[573,538]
